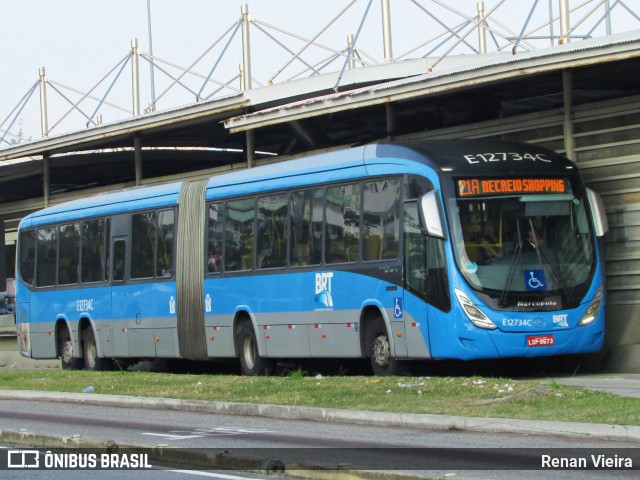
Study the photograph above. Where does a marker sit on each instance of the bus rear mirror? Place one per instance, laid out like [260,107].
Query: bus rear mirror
[431,214]
[599,213]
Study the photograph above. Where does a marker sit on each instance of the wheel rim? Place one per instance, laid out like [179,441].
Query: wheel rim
[380,351]
[66,353]
[248,352]
[92,353]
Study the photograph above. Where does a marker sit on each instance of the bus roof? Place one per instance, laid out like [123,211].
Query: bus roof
[289,173]
[479,156]
[104,203]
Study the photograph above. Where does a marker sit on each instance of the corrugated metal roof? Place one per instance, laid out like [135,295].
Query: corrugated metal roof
[278,94]
[123,127]
[391,82]
[498,67]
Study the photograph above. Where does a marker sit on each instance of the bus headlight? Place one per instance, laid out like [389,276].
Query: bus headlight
[592,312]
[473,313]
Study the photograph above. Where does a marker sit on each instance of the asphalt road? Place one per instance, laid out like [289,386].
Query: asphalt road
[448,451]
[153,474]
[445,452]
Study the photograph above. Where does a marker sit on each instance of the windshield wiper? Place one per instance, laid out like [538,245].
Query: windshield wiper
[543,258]
[512,269]
[555,273]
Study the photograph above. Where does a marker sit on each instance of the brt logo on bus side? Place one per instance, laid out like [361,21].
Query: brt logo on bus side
[323,289]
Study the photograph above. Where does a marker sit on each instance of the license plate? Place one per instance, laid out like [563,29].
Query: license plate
[540,341]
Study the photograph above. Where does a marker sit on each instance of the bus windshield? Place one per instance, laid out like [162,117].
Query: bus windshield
[515,237]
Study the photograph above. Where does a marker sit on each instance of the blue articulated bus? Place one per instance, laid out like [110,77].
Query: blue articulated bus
[415,250]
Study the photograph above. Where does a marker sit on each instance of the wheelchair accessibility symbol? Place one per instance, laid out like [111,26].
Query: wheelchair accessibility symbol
[397,307]
[534,280]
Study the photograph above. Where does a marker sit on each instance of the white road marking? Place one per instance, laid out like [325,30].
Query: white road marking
[214,475]
[168,436]
[204,432]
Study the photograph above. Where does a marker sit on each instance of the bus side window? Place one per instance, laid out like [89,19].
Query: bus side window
[416,186]
[425,262]
[164,260]
[437,276]
[415,246]
[215,238]
[239,235]
[306,227]
[381,219]
[119,252]
[271,238]
[69,254]
[143,244]
[47,252]
[93,254]
[27,248]
[342,214]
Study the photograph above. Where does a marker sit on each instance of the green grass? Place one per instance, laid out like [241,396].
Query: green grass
[466,396]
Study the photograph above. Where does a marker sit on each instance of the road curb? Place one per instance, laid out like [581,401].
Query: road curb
[387,419]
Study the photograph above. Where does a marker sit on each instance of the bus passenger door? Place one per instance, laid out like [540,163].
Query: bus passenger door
[415,311]
[119,297]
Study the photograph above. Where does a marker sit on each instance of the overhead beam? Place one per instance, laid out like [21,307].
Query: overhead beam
[46,178]
[102,134]
[303,133]
[503,68]
[567,100]
[137,155]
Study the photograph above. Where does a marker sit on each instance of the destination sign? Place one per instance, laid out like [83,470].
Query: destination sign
[510,186]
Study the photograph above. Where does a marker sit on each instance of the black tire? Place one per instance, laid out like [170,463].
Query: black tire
[251,363]
[90,353]
[65,348]
[378,348]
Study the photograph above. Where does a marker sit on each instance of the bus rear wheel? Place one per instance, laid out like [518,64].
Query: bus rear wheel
[65,347]
[378,349]
[251,363]
[90,352]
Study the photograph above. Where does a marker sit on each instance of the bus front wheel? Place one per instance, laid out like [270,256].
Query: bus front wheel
[251,363]
[90,352]
[379,350]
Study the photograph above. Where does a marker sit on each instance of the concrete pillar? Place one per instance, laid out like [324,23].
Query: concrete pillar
[482,31]
[386,31]
[564,22]
[137,157]
[43,103]
[46,178]
[135,77]
[567,95]
[246,49]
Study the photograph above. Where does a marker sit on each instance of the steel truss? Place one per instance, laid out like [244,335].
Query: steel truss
[451,32]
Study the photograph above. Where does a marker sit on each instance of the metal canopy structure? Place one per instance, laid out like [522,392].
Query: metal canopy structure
[149,148]
[456,82]
[477,72]
[395,99]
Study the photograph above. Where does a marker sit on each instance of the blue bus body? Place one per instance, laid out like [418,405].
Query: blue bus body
[329,256]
